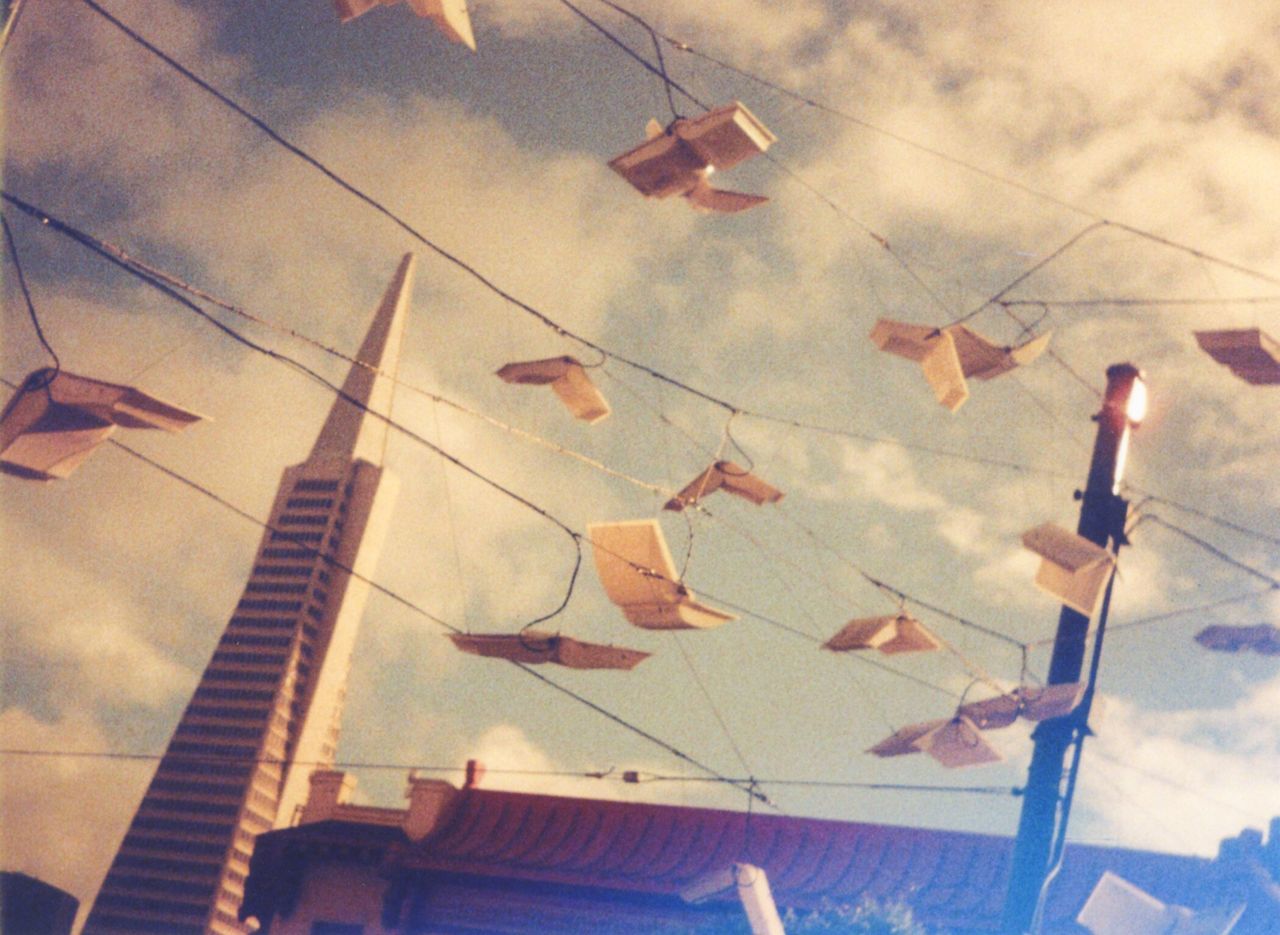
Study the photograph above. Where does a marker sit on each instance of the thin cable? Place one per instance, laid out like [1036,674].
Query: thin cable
[724,727]
[1170,615]
[968,166]
[667,83]
[1214,550]
[1172,783]
[121,257]
[26,293]
[1142,303]
[386,212]
[630,777]
[418,609]
[1217,520]
[1028,273]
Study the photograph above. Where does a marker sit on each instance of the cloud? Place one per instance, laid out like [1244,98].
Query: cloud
[45,797]
[1182,779]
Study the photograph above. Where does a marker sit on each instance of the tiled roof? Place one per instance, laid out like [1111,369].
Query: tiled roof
[948,877]
[953,881]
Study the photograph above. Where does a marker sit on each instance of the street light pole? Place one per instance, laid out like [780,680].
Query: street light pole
[1102,518]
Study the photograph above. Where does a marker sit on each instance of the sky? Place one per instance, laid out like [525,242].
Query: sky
[943,154]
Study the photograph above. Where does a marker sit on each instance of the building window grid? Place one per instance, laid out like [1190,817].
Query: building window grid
[276,587]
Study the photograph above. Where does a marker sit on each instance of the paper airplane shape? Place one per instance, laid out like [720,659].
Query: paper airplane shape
[679,159]
[533,647]
[954,742]
[1261,638]
[1033,702]
[899,633]
[727,476]
[450,16]
[569,380]
[1074,570]
[949,355]
[1117,907]
[57,419]
[1250,354]
[639,576]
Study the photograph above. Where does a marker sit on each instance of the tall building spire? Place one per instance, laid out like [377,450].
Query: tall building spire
[269,705]
[350,432]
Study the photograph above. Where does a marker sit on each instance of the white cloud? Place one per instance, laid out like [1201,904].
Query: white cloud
[1182,779]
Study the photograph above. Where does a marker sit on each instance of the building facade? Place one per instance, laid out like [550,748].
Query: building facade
[479,860]
[267,709]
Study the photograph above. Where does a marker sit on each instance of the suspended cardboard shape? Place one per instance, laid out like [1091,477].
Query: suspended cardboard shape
[899,633]
[949,355]
[56,420]
[993,713]
[568,378]
[1261,638]
[1251,355]
[703,197]
[638,574]
[1117,907]
[732,479]
[984,360]
[1044,702]
[958,743]
[678,160]
[934,349]
[904,741]
[1074,570]
[1033,702]
[532,647]
[449,16]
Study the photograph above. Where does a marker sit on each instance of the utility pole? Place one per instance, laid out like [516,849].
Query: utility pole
[1102,519]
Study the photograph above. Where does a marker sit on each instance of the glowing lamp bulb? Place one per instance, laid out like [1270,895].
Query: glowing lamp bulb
[1136,407]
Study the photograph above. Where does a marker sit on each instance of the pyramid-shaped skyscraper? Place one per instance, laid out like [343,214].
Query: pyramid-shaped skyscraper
[268,708]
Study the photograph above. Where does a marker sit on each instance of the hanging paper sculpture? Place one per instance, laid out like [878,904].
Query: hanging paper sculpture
[727,476]
[949,355]
[1074,569]
[1033,702]
[679,159]
[450,16]
[1261,638]
[533,647]
[57,419]
[953,742]
[1250,354]
[639,576]
[1117,907]
[900,633]
[569,380]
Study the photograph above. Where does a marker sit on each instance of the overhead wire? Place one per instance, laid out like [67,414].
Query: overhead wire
[969,166]
[612,774]
[1213,550]
[26,295]
[1134,302]
[174,294]
[422,611]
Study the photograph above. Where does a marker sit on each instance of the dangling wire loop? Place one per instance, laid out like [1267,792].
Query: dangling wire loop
[31,309]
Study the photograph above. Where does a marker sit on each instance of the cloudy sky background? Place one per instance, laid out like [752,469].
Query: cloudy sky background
[121,579]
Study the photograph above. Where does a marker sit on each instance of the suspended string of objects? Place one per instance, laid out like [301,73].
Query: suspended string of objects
[646,560]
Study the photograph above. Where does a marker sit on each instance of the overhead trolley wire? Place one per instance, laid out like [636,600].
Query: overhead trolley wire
[172,292]
[968,166]
[388,213]
[426,614]
[476,274]
[26,293]
[630,777]
[1213,550]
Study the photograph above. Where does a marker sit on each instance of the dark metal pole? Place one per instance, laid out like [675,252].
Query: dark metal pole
[1102,516]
